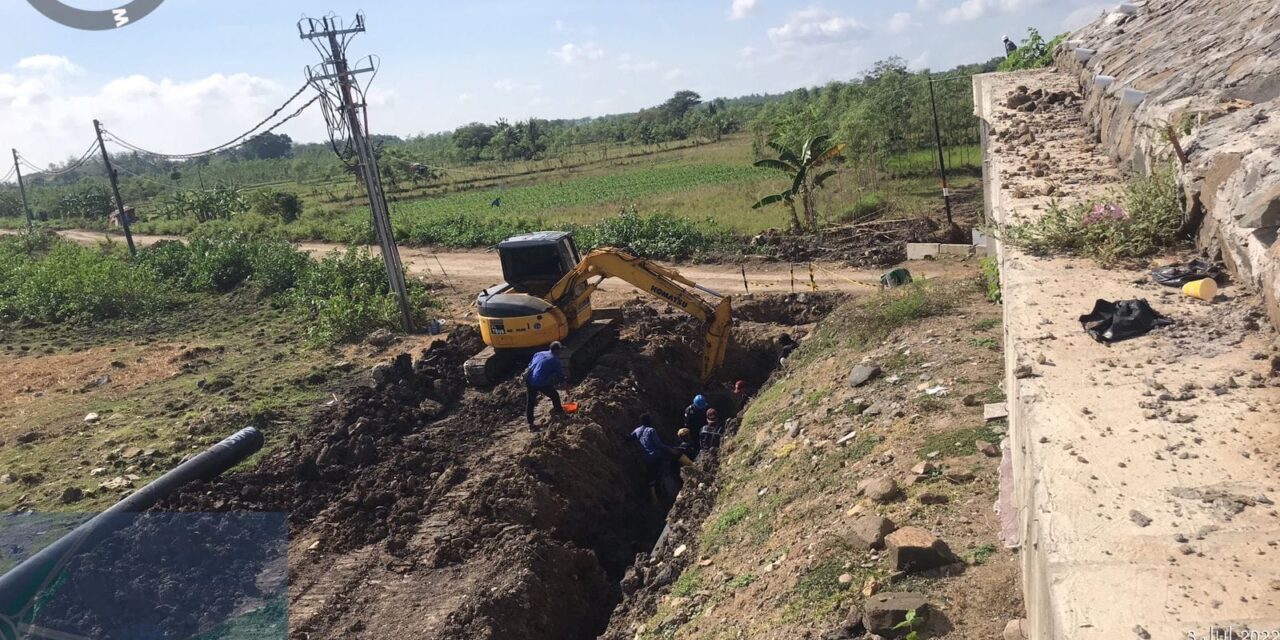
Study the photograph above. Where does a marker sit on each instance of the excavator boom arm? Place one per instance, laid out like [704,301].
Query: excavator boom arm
[661,282]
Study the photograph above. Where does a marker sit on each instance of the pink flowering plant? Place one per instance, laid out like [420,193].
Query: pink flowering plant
[1139,222]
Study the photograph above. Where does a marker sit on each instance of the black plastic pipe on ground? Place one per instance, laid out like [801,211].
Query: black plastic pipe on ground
[20,586]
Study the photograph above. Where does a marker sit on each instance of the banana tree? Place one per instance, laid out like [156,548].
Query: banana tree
[806,178]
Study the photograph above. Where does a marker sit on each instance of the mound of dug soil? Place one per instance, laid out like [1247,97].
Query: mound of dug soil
[870,244]
[365,469]
[420,508]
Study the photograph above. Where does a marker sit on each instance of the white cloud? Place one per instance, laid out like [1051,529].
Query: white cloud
[48,120]
[507,85]
[742,8]
[571,53]
[974,9]
[50,64]
[466,97]
[558,26]
[1084,15]
[901,21]
[814,25]
[629,64]
[926,5]
[673,74]
[746,52]
[920,62]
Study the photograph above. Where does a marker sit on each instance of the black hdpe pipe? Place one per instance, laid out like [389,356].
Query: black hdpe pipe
[20,586]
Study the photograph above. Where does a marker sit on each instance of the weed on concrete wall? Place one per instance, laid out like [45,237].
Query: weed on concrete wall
[1138,223]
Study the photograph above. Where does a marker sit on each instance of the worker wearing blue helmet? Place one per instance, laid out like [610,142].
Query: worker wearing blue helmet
[695,416]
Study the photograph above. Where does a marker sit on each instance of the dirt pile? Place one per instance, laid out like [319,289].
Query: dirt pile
[488,530]
[364,471]
[870,244]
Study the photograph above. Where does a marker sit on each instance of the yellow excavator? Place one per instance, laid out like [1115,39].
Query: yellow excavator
[546,297]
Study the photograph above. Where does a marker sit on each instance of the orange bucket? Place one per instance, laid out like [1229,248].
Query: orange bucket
[569,407]
[1204,289]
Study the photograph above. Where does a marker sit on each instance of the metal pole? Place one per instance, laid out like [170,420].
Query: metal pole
[22,188]
[373,185]
[942,165]
[115,189]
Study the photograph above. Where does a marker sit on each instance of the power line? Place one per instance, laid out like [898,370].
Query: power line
[234,142]
[53,173]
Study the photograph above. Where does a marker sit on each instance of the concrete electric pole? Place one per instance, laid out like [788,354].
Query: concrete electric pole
[337,84]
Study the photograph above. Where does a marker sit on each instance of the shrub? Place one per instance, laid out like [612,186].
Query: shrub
[991,279]
[466,230]
[169,259]
[658,235]
[218,203]
[1144,221]
[76,284]
[221,258]
[277,205]
[346,296]
[1033,53]
[277,265]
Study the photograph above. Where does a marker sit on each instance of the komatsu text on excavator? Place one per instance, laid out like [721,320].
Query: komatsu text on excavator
[547,297]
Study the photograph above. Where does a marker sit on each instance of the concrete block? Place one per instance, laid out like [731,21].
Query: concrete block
[955,249]
[995,411]
[922,250]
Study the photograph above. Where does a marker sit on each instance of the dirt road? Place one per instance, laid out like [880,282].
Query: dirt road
[472,270]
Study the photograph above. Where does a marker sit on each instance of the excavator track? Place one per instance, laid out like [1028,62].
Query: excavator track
[582,349]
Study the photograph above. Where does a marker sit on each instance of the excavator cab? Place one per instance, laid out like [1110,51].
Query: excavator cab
[535,262]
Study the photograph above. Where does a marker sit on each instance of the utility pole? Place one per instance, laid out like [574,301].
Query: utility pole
[22,188]
[942,165]
[330,30]
[115,189]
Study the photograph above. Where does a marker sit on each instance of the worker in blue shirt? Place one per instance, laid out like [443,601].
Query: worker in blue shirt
[542,376]
[657,454]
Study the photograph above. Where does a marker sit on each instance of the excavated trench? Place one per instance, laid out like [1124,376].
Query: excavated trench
[488,531]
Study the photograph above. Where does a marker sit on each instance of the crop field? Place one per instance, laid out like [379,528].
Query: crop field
[713,186]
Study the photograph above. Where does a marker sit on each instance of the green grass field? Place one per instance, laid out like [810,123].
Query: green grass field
[713,185]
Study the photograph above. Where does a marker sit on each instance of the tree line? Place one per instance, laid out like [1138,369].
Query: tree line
[886,110]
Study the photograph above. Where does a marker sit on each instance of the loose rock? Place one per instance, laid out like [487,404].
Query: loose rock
[863,374]
[883,612]
[987,449]
[913,549]
[882,490]
[869,531]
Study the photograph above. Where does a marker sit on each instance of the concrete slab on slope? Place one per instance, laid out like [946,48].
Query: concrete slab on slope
[1141,495]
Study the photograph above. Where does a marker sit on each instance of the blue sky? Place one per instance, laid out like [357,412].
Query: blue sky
[197,72]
